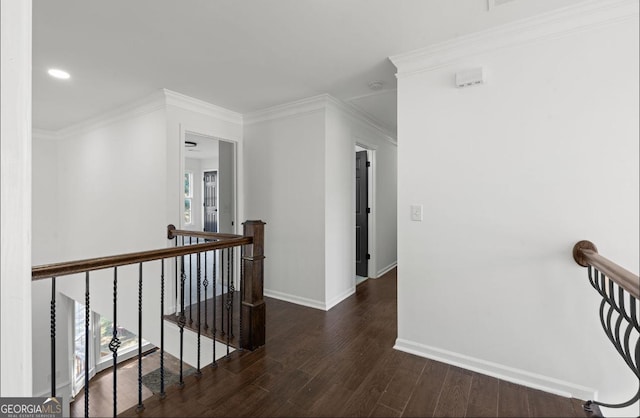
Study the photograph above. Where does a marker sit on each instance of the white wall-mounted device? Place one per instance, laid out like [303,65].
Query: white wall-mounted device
[416,213]
[470,77]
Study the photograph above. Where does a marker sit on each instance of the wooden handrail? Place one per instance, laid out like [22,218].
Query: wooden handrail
[81,266]
[586,254]
[172,232]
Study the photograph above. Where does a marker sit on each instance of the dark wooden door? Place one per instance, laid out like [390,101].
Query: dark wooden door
[362,210]
[210,201]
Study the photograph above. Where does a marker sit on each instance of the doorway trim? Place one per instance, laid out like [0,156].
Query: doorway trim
[237,210]
[372,272]
[184,131]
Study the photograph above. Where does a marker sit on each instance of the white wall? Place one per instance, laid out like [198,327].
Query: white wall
[111,184]
[344,131]
[511,174]
[339,210]
[45,202]
[300,163]
[46,250]
[15,217]
[194,166]
[209,164]
[284,184]
[99,190]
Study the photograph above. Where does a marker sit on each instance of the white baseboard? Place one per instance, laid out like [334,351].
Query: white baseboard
[387,269]
[521,377]
[298,300]
[61,390]
[333,302]
[311,303]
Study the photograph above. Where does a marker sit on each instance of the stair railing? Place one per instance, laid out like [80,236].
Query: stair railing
[251,315]
[619,310]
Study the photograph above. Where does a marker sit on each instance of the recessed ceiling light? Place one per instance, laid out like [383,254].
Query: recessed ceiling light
[376,85]
[54,72]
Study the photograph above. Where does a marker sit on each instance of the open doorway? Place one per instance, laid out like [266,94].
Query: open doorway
[210,184]
[209,201]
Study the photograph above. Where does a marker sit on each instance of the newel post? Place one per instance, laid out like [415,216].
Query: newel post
[253,308]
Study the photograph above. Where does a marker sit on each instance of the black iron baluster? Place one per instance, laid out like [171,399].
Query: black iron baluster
[612,332]
[622,340]
[175,311]
[181,271]
[606,289]
[181,319]
[53,336]
[198,277]
[114,344]
[611,302]
[190,284]
[240,297]
[222,292]
[229,303]
[591,277]
[205,283]
[162,394]
[627,335]
[87,316]
[232,288]
[622,314]
[635,317]
[215,295]
[140,406]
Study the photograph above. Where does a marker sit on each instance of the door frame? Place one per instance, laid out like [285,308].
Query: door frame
[372,272]
[184,131]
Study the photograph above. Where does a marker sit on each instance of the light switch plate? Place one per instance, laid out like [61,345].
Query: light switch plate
[416,212]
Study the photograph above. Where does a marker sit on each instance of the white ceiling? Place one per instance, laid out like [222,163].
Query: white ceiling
[241,55]
[206,147]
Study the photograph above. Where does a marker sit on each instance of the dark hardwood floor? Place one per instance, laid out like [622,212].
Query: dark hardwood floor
[341,363]
[222,318]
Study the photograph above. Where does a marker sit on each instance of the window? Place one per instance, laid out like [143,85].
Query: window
[188,195]
[100,334]
[78,348]
[128,340]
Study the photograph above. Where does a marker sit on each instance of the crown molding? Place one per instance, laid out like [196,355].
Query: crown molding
[362,116]
[561,22]
[289,109]
[381,92]
[44,134]
[200,106]
[148,104]
[314,104]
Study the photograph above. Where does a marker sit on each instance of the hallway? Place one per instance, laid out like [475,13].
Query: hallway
[341,363]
